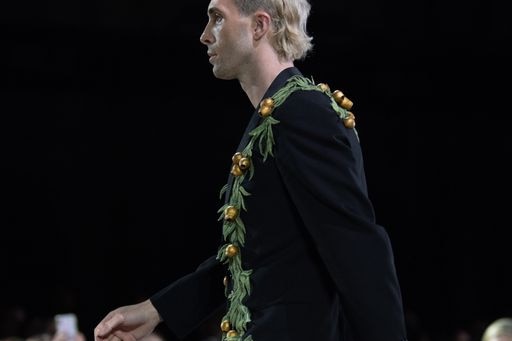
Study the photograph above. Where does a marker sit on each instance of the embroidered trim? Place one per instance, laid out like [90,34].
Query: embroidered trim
[234,323]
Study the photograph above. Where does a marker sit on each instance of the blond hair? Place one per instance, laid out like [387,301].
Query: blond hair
[289,18]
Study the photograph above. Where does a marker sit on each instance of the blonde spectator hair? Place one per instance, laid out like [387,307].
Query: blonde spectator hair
[289,20]
[499,328]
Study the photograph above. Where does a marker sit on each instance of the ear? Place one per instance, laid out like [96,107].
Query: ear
[261,24]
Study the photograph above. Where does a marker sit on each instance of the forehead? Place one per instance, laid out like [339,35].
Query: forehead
[222,6]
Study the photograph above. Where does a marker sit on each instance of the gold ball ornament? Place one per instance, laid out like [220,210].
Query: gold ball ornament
[225,326]
[236,171]
[232,333]
[265,110]
[324,87]
[349,121]
[236,157]
[244,163]
[346,103]
[225,281]
[338,96]
[231,250]
[230,213]
[267,102]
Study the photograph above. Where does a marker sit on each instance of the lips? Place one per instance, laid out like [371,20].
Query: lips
[211,55]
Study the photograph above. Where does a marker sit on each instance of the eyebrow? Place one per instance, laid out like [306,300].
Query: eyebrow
[214,9]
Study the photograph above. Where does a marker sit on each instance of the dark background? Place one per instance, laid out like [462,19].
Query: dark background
[115,139]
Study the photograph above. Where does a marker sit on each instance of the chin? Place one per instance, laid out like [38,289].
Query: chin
[220,74]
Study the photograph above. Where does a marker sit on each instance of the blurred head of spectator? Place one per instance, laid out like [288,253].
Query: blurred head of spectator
[499,330]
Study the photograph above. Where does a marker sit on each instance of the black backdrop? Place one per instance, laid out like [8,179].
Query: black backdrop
[116,138]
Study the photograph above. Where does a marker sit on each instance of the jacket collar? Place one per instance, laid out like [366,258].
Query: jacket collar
[280,81]
[276,84]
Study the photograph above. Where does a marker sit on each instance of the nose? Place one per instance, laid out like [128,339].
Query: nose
[206,37]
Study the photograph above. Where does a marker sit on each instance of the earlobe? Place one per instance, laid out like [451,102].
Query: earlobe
[262,24]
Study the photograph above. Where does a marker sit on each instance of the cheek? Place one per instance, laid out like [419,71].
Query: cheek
[217,31]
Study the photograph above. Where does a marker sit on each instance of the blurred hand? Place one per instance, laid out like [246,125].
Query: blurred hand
[128,323]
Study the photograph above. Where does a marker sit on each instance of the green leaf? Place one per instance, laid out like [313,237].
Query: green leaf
[223,190]
[262,136]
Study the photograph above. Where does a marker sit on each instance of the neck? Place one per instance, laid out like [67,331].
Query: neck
[257,81]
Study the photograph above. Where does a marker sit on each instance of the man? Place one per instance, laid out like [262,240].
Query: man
[303,258]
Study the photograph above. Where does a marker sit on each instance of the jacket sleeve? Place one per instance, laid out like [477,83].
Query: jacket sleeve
[321,165]
[189,301]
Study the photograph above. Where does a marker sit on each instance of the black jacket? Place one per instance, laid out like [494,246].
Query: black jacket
[322,269]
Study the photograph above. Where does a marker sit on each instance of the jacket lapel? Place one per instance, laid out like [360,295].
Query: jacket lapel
[256,118]
[253,123]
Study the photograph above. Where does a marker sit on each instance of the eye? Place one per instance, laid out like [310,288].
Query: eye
[217,19]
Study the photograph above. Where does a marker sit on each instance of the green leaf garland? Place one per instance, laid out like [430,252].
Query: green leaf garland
[234,231]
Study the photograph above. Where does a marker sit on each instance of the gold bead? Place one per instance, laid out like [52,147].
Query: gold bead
[230,213]
[232,333]
[231,250]
[244,163]
[346,103]
[267,102]
[236,157]
[266,107]
[225,281]
[265,111]
[324,87]
[349,122]
[338,96]
[225,326]
[236,171]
